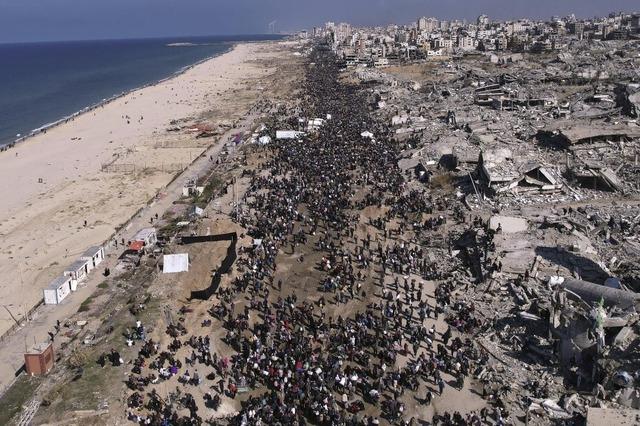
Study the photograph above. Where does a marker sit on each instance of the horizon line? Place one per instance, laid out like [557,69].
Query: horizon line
[280,34]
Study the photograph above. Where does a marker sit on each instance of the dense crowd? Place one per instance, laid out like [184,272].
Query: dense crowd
[298,362]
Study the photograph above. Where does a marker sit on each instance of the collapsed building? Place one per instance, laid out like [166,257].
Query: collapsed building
[545,151]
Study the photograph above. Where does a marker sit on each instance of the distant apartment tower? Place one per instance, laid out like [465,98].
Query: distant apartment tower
[465,42]
[502,43]
[422,23]
[635,22]
[428,25]
[340,32]
[514,27]
[483,21]
[443,43]
[577,28]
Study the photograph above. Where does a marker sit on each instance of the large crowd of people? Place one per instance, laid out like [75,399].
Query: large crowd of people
[306,360]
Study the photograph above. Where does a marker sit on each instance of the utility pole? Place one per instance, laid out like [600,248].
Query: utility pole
[12,317]
[26,311]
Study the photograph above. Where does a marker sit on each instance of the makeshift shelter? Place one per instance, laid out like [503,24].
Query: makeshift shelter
[144,238]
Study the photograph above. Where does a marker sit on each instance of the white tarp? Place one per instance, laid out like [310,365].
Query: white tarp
[264,140]
[288,134]
[175,263]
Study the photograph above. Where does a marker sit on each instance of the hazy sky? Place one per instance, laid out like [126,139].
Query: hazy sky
[34,20]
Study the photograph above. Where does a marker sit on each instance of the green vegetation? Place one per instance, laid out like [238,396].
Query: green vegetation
[11,402]
[84,306]
[214,183]
[103,285]
[81,391]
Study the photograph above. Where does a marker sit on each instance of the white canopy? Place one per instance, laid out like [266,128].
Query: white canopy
[175,263]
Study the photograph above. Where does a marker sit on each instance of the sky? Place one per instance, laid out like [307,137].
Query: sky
[50,20]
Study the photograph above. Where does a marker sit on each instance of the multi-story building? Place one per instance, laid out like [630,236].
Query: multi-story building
[443,44]
[428,25]
[465,42]
[422,24]
[483,21]
[577,28]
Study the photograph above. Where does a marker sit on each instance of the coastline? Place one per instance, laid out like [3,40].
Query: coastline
[41,234]
[48,126]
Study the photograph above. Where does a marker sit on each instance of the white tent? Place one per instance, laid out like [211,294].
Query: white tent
[175,263]
[264,140]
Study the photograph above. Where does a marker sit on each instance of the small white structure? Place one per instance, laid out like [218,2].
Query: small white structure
[78,271]
[288,134]
[57,290]
[367,135]
[172,263]
[396,120]
[94,255]
[192,188]
[264,140]
[315,124]
[146,237]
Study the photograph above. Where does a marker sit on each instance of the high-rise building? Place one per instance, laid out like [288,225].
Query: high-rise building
[465,42]
[428,25]
[422,23]
[483,21]
[577,28]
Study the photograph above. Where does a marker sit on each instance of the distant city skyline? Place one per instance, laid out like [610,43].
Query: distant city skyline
[51,20]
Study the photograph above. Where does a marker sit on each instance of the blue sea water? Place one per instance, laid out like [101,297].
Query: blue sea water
[41,83]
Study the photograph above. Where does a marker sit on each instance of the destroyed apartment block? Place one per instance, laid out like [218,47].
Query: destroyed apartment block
[594,176]
[501,172]
[569,136]
[504,98]
[420,167]
[628,98]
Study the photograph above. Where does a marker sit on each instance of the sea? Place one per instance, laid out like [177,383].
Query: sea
[43,83]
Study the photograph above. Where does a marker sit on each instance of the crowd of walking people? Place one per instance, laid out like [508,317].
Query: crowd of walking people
[365,335]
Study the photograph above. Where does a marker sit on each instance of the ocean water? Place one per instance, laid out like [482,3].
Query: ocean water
[41,83]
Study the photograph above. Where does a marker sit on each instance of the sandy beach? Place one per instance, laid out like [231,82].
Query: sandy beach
[106,164]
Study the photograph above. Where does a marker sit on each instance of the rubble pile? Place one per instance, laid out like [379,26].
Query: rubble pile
[540,160]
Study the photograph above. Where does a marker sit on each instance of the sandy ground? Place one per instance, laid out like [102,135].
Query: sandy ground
[42,222]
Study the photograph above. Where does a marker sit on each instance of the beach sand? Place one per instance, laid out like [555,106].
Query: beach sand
[53,182]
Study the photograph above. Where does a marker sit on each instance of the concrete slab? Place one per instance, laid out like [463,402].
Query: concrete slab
[509,224]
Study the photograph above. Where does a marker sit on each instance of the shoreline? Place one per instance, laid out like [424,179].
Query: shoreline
[48,126]
[45,232]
